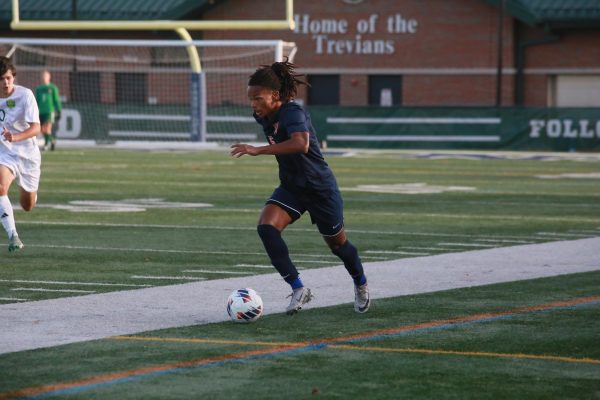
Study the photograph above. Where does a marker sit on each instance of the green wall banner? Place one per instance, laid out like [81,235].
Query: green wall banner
[506,128]
[558,129]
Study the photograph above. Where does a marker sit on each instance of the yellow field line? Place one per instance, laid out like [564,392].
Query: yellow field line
[466,353]
[367,348]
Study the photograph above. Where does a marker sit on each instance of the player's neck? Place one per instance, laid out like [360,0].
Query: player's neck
[7,93]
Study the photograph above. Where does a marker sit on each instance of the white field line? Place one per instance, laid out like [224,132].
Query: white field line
[74,283]
[427,248]
[101,182]
[588,231]
[171,251]
[367,257]
[212,271]
[254,266]
[125,249]
[315,255]
[408,253]
[467,245]
[52,290]
[514,203]
[11,299]
[173,278]
[565,234]
[241,228]
[505,241]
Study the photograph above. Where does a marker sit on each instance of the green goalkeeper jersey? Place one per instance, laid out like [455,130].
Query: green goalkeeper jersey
[48,99]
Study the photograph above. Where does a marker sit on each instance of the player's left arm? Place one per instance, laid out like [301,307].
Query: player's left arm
[297,143]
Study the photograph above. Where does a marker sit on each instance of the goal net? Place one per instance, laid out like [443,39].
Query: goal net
[126,90]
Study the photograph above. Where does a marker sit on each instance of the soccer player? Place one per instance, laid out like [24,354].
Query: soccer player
[20,157]
[306,181]
[48,100]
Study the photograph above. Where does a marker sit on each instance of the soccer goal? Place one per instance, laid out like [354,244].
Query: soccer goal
[148,90]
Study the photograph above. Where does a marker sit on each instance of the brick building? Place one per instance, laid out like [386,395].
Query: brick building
[439,52]
[397,52]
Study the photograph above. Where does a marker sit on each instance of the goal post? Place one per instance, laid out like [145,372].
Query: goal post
[150,90]
[286,23]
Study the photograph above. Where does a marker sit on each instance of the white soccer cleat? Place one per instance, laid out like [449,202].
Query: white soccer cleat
[362,300]
[14,243]
[299,298]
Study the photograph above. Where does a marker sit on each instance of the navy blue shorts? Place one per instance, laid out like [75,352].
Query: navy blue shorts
[326,208]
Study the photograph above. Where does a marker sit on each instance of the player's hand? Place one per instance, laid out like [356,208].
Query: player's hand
[57,116]
[6,135]
[239,149]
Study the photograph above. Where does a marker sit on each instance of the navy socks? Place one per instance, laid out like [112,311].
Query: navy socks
[349,255]
[279,255]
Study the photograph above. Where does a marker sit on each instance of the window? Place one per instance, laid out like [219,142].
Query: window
[131,87]
[574,91]
[385,90]
[324,90]
[85,87]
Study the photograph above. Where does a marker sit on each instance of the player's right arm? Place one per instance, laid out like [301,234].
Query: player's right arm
[32,131]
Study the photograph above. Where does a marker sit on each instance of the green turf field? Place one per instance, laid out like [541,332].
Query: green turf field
[111,220]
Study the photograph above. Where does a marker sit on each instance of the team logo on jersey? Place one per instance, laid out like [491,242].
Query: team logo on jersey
[11,103]
[271,138]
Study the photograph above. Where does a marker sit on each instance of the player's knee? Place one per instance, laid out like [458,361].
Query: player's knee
[343,249]
[267,232]
[28,202]
[27,205]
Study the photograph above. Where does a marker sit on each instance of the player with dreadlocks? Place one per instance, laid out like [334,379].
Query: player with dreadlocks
[306,181]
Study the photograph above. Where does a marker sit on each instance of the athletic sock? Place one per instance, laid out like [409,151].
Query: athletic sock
[47,139]
[279,254]
[6,216]
[349,255]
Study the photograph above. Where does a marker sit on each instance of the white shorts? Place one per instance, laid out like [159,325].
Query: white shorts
[27,172]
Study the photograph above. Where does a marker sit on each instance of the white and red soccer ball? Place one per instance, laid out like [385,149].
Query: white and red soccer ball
[244,305]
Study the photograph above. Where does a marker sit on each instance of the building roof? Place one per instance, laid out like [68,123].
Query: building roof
[103,10]
[555,14]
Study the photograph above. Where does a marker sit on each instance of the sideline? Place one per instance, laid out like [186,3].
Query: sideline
[47,323]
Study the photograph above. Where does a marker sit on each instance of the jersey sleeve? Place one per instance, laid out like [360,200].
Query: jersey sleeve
[294,120]
[56,98]
[31,112]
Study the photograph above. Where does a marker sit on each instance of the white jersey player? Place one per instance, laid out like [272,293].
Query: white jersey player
[20,157]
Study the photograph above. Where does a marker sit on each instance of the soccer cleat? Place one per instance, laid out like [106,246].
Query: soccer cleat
[299,298]
[14,243]
[361,298]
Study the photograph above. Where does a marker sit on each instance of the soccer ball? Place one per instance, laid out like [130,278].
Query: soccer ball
[244,305]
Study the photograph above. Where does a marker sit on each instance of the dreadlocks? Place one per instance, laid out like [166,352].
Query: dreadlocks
[278,76]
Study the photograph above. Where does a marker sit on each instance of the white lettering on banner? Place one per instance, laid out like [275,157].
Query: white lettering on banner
[69,125]
[564,128]
[323,31]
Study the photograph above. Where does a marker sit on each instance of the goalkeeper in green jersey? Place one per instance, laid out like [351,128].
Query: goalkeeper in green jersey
[48,100]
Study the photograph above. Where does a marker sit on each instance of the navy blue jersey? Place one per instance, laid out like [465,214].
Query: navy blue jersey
[298,171]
